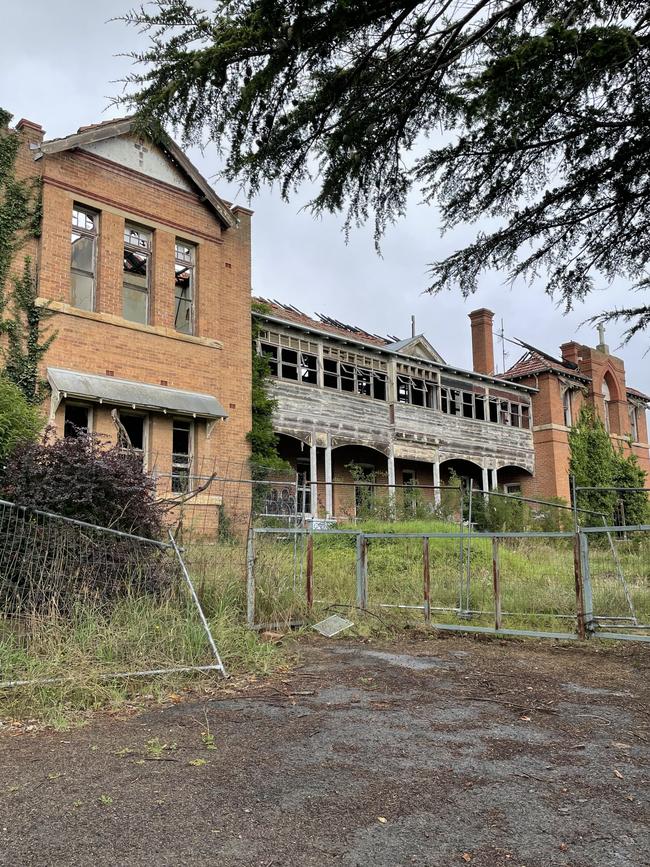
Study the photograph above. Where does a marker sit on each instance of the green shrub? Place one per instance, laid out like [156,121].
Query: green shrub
[20,422]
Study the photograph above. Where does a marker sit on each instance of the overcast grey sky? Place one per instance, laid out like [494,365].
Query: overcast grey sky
[60,69]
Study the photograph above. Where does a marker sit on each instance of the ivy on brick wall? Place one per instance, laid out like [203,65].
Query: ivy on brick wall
[262,436]
[595,463]
[21,318]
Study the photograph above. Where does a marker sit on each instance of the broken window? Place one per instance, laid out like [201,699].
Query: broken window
[514,415]
[504,416]
[432,395]
[271,354]
[479,407]
[468,404]
[444,399]
[347,377]
[134,426]
[403,389]
[77,420]
[308,368]
[330,373]
[494,409]
[83,257]
[182,436]
[136,273]
[454,395]
[379,386]
[525,417]
[184,287]
[289,364]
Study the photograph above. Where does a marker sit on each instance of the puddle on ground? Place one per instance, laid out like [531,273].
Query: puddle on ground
[414,663]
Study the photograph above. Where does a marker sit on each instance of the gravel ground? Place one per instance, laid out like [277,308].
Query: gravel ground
[438,752]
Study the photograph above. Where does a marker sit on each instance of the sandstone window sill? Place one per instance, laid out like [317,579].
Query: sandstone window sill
[118,322]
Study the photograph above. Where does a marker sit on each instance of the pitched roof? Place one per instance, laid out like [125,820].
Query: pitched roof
[532,362]
[323,323]
[97,132]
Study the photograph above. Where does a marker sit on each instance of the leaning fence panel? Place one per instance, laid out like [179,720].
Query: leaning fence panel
[116,604]
[619,572]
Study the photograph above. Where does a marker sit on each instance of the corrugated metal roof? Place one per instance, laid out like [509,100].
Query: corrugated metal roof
[138,395]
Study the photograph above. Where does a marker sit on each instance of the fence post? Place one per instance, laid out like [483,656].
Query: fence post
[310,571]
[587,596]
[250,578]
[584,598]
[427,580]
[362,571]
[496,581]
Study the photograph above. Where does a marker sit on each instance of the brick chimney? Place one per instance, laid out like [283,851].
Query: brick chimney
[33,132]
[482,342]
[571,352]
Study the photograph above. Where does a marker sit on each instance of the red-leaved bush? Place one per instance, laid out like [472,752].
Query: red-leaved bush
[87,478]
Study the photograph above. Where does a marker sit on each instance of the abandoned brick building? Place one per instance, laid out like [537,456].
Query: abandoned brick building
[349,399]
[147,274]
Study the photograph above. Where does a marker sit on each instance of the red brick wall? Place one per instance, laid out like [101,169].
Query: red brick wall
[217,360]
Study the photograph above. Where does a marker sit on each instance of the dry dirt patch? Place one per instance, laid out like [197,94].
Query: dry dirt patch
[438,752]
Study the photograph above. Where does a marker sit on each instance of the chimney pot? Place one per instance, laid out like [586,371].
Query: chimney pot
[482,340]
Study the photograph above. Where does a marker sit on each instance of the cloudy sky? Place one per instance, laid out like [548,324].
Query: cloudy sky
[61,70]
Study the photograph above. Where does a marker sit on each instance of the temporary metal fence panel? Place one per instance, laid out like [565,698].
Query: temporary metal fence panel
[617,564]
[124,604]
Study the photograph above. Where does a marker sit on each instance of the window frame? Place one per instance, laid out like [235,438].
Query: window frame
[142,250]
[191,267]
[93,235]
[183,484]
[80,405]
[132,413]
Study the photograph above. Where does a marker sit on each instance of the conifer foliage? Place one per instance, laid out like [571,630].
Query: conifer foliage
[532,113]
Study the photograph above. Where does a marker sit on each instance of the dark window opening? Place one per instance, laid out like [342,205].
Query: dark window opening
[289,364]
[347,377]
[76,420]
[330,373]
[134,427]
[379,386]
[514,414]
[444,400]
[363,381]
[468,404]
[453,401]
[403,390]
[432,395]
[505,413]
[271,355]
[181,455]
[418,393]
[308,368]
[494,410]
[479,408]
[525,417]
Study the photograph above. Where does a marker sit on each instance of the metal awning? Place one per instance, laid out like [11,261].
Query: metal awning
[136,395]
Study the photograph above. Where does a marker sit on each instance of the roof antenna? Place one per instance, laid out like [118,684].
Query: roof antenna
[502,337]
[413,325]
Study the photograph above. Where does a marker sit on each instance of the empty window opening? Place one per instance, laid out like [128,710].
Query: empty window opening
[136,274]
[83,257]
[525,417]
[289,364]
[271,354]
[494,409]
[379,386]
[308,368]
[182,437]
[134,425]
[347,377]
[468,404]
[514,415]
[479,407]
[77,420]
[330,373]
[184,288]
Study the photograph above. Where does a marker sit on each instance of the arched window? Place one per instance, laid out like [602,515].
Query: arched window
[606,401]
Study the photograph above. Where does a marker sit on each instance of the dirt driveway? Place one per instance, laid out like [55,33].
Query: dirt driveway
[439,752]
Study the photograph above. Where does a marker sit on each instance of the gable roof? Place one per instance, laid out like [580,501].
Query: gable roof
[418,345]
[123,126]
[531,362]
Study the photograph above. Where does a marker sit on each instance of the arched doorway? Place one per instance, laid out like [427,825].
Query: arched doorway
[360,481]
